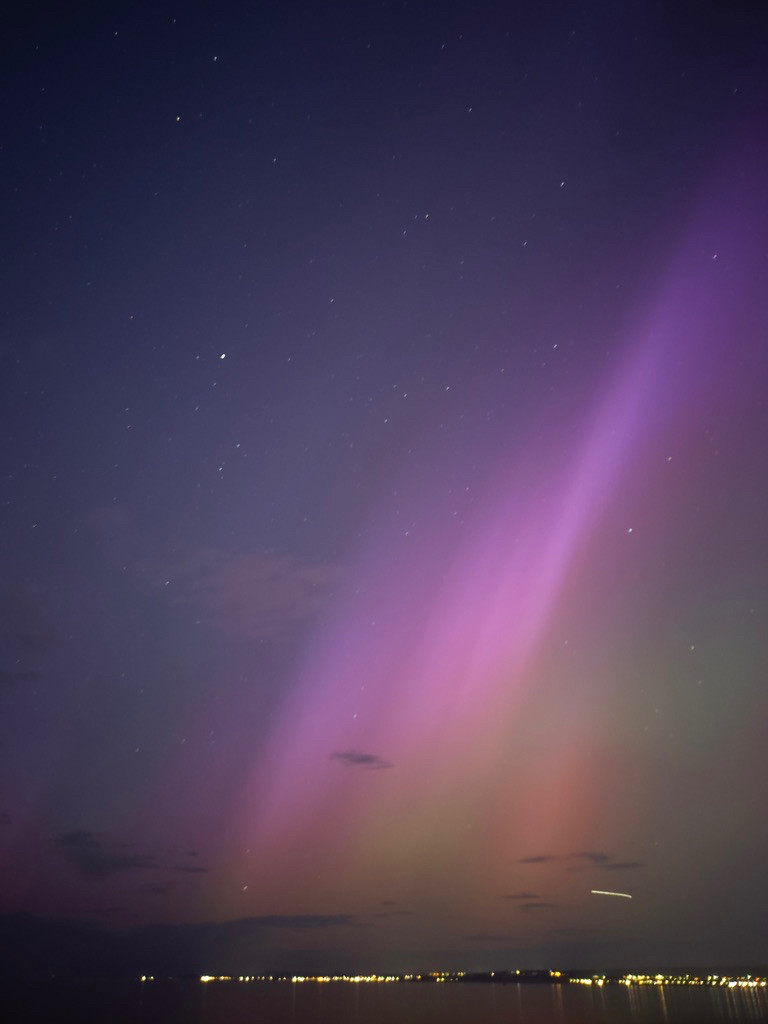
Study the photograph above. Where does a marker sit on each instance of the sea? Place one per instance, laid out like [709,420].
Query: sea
[190,1002]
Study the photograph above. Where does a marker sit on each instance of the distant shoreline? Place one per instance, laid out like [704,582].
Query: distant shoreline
[745,979]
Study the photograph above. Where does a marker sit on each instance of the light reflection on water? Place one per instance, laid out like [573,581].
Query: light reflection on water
[166,1002]
[462,1003]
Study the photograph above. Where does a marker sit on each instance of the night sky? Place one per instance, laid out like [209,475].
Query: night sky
[384,488]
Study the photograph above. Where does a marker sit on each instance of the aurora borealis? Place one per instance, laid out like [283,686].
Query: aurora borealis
[386,497]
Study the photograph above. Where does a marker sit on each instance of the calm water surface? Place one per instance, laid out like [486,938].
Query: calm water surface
[283,1003]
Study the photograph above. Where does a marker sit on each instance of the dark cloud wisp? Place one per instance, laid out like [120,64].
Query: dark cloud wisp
[358,759]
[87,852]
[595,856]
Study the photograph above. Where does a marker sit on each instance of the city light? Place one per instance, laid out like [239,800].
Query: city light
[513,977]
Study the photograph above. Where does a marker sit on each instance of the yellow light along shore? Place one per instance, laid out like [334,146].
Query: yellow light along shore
[746,981]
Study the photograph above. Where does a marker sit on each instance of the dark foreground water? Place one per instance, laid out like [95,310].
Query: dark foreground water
[167,1002]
